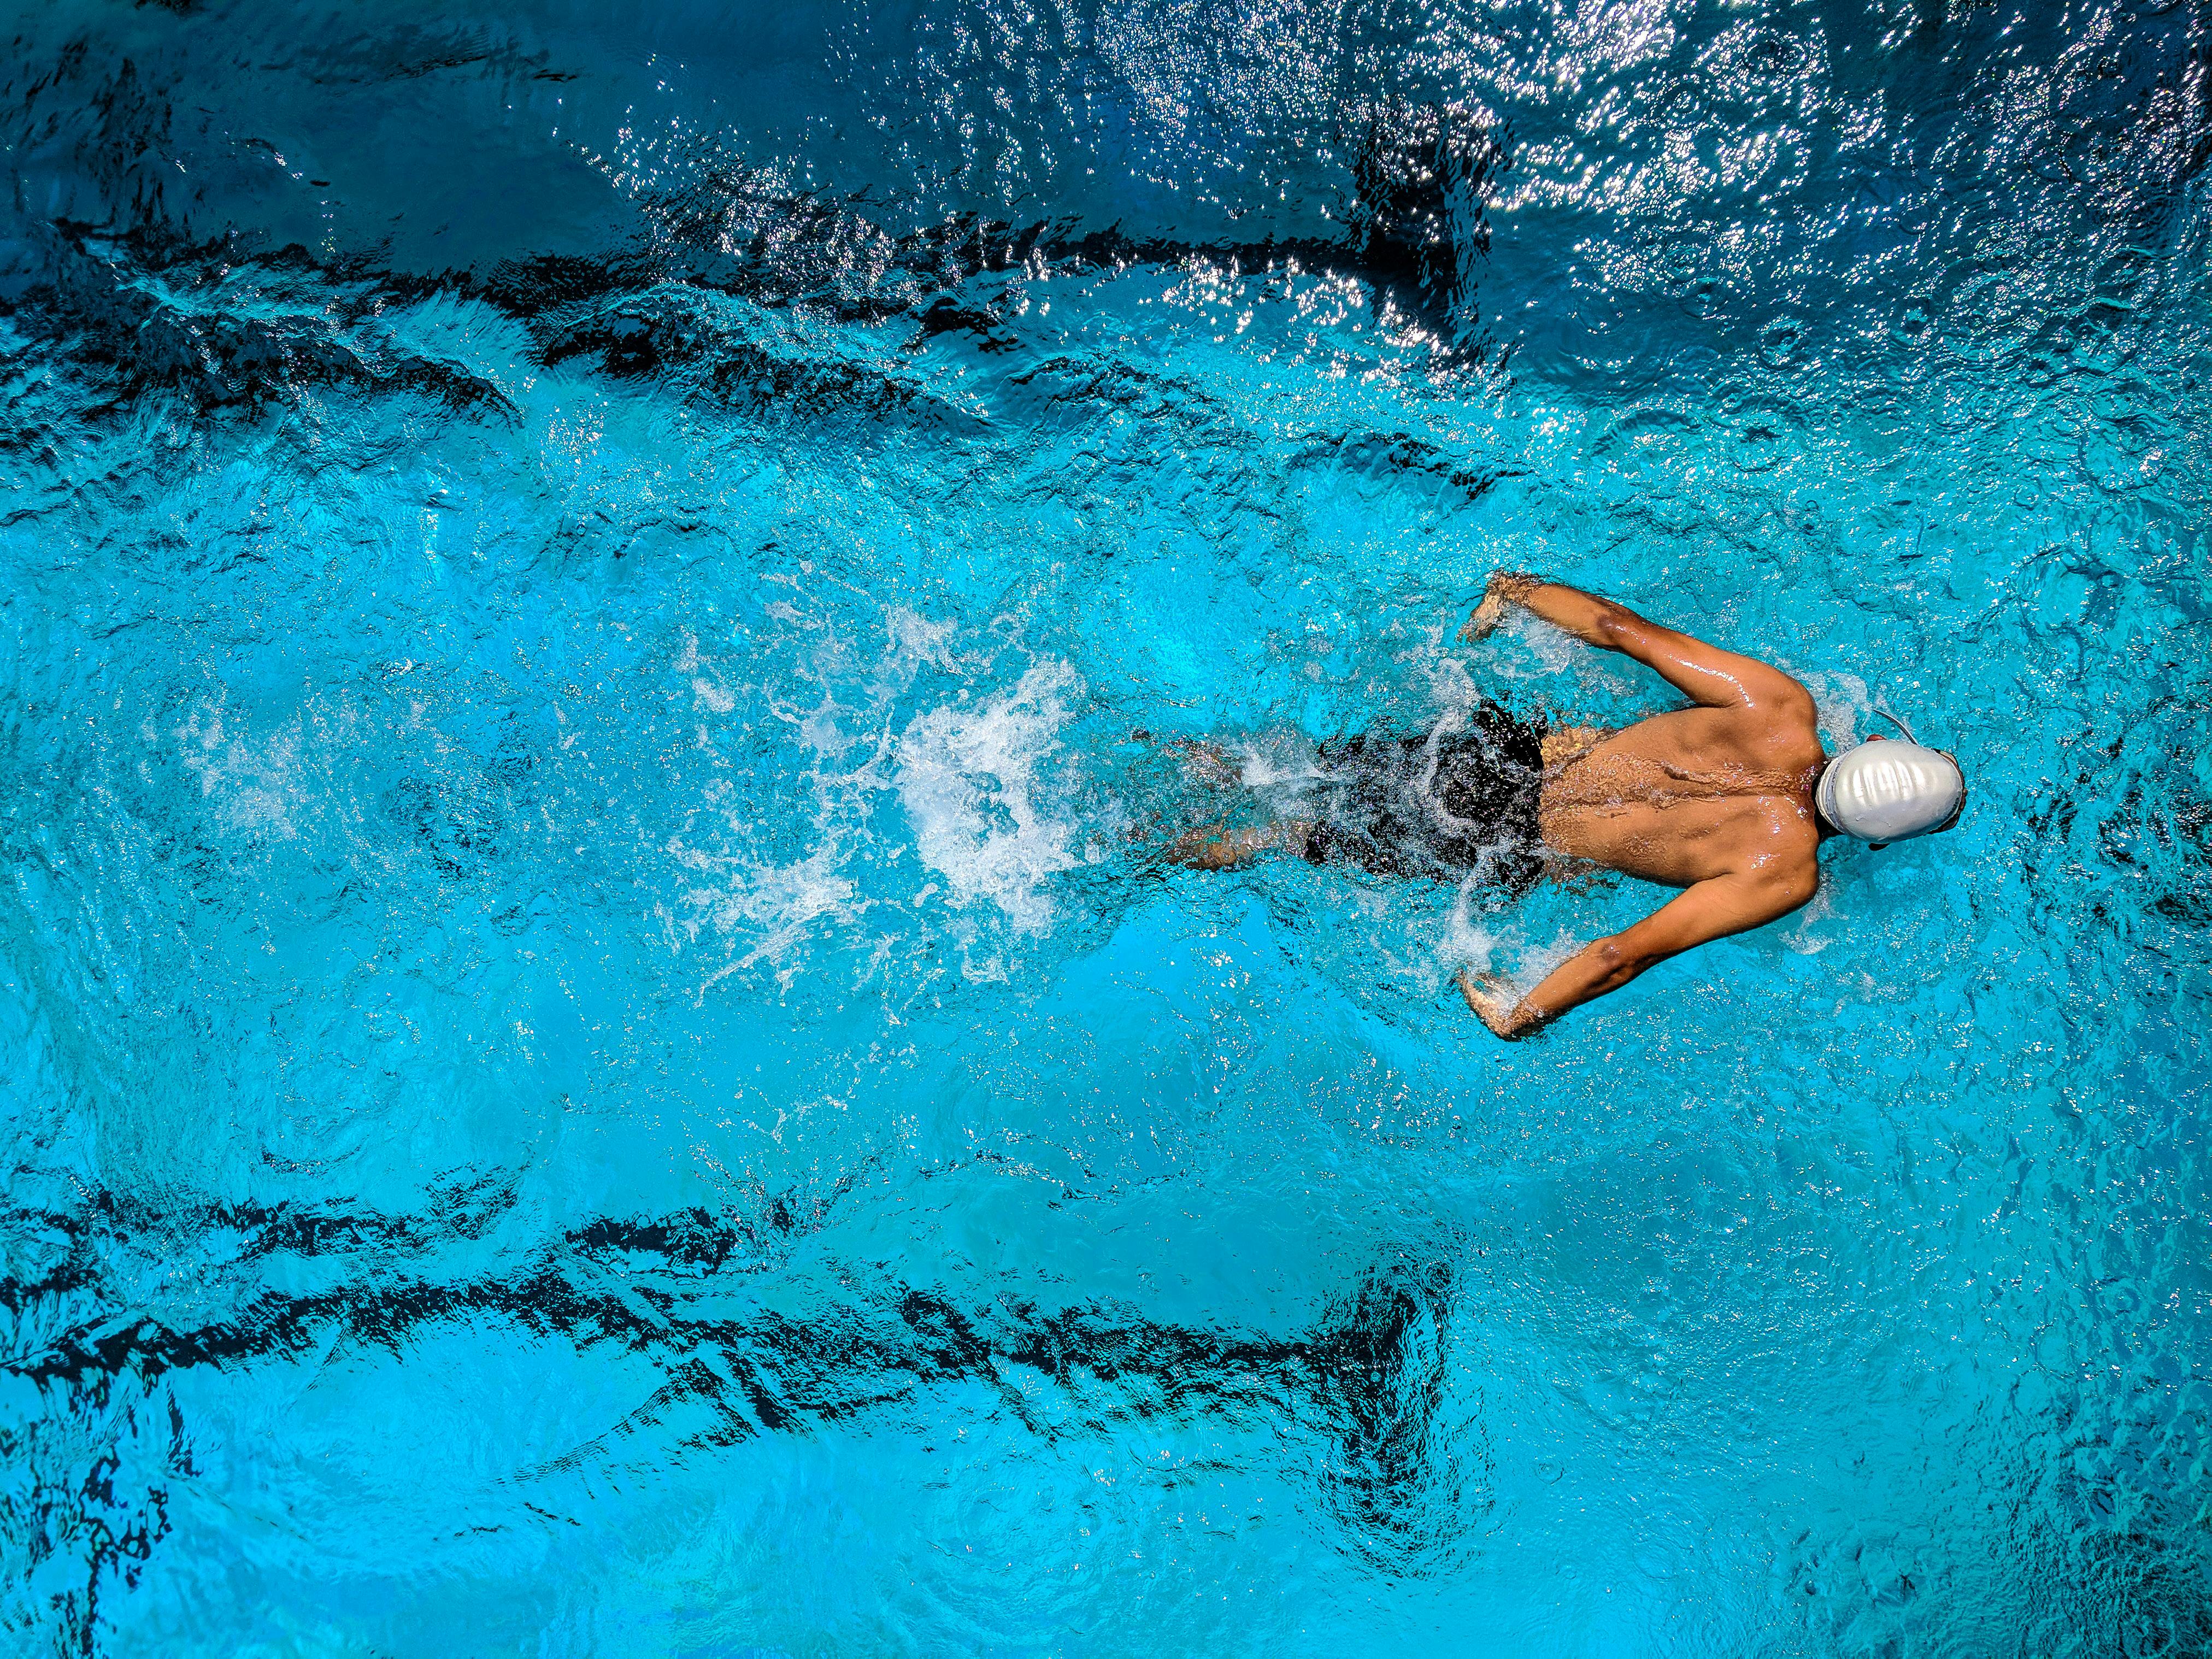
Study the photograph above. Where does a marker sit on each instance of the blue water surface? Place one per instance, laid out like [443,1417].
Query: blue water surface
[595,1053]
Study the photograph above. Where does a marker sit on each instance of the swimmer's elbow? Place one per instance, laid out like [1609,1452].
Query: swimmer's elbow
[1791,892]
[1793,701]
[1617,626]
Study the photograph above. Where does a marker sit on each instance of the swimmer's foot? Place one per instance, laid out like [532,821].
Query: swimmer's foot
[1221,849]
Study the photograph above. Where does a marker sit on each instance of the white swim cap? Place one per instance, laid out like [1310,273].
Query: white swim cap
[1890,791]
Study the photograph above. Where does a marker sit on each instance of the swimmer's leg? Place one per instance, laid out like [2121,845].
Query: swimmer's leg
[1222,848]
[1203,762]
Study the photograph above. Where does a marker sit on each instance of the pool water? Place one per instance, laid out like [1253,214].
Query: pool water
[598,1056]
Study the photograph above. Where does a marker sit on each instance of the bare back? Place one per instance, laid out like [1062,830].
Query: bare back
[1684,797]
[1716,799]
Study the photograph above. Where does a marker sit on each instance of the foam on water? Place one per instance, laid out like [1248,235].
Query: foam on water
[968,780]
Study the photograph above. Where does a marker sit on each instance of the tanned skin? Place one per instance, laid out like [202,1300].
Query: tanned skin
[1717,799]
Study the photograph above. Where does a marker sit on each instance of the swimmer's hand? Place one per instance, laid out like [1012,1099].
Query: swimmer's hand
[1492,998]
[1506,587]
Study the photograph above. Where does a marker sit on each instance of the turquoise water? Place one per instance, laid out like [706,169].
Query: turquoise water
[593,1059]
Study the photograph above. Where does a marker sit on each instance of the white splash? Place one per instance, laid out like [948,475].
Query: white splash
[913,638]
[1465,943]
[1808,937]
[1551,645]
[1841,699]
[967,777]
[253,783]
[774,906]
[1275,764]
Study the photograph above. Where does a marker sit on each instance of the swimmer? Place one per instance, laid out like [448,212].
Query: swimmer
[1728,799]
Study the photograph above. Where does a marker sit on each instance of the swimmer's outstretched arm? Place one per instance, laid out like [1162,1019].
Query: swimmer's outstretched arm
[1710,910]
[1704,673]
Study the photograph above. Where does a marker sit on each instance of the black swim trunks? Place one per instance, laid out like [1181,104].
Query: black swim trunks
[1438,807]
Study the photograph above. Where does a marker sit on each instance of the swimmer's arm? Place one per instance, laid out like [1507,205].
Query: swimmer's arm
[1711,910]
[1704,673]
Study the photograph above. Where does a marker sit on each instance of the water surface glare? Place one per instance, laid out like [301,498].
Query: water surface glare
[595,604]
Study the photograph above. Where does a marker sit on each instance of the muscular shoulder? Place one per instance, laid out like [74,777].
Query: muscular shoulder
[1789,723]
[1786,872]
[1777,737]
[1782,697]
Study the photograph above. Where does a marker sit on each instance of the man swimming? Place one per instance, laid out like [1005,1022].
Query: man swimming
[1728,799]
